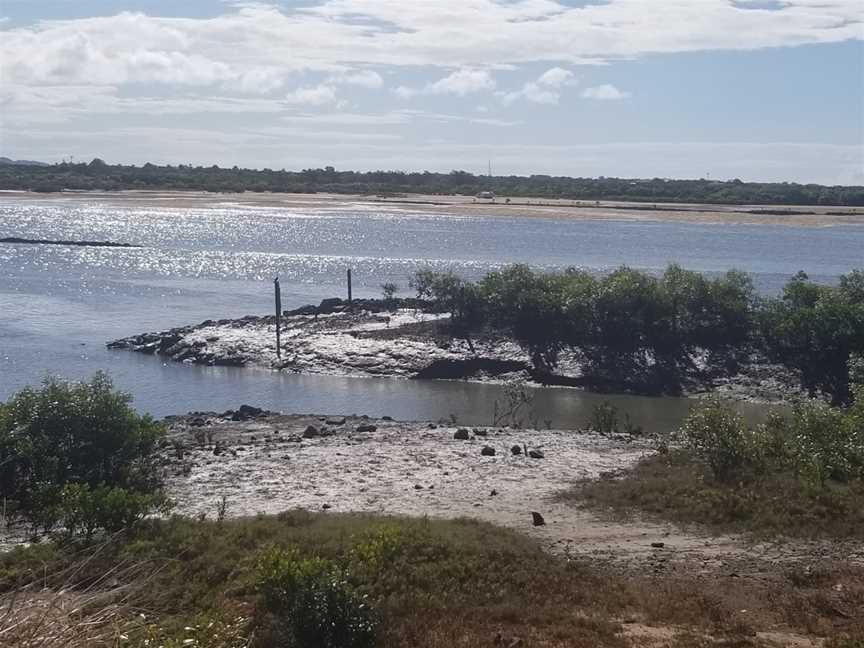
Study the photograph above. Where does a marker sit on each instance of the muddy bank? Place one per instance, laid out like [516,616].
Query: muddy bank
[268,462]
[404,340]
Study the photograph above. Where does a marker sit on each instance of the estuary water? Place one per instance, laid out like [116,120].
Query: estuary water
[60,305]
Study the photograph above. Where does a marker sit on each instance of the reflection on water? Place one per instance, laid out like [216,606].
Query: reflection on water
[58,306]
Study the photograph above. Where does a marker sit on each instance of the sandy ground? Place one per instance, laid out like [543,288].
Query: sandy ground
[400,468]
[469,206]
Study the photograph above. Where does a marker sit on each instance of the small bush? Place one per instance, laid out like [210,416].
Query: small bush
[604,418]
[84,436]
[308,603]
[718,435]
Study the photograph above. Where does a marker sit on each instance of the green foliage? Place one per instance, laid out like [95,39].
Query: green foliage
[99,175]
[818,330]
[389,290]
[78,449]
[604,418]
[308,603]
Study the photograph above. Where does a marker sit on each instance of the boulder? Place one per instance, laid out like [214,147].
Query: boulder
[516,450]
[537,519]
[366,427]
[488,451]
[311,432]
[462,434]
[481,433]
[335,420]
[536,454]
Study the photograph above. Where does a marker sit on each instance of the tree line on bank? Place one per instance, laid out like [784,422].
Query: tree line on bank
[97,175]
[631,326]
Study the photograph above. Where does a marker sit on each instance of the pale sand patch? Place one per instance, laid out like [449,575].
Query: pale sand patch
[465,206]
[412,469]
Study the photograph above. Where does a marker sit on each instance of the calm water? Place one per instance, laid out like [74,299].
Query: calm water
[58,306]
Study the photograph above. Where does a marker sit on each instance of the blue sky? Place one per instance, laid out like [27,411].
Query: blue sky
[682,88]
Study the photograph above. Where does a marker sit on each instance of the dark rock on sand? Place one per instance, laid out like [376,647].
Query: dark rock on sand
[367,427]
[488,451]
[537,519]
[462,434]
[311,432]
[516,450]
[536,454]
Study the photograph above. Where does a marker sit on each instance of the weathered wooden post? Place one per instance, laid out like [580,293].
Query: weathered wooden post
[350,304]
[278,293]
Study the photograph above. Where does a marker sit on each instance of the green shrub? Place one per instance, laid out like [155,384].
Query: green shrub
[604,418]
[720,437]
[84,436]
[308,603]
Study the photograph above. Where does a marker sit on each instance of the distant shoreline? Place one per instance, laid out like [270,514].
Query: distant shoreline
[461,205]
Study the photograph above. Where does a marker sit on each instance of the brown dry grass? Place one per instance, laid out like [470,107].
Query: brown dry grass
[443,584]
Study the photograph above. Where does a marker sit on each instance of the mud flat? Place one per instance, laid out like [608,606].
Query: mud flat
[268,462]
[408,342]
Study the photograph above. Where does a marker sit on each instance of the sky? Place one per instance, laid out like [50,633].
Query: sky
[761,90]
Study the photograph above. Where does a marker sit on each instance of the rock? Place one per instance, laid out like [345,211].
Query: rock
[250,412]
[432,426]
[329,305]
[537,519]
[386,418]
[516,450]
[198,422]
[488,451]
[536,454]
[325,506]
[311,432]
[418,487]
[367,427]
[480,433]
[658,545]
[218,449]
[335,420]
[462,434]
[493,493]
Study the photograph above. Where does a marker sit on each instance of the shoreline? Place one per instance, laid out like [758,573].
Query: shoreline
[403,340]
[457,205]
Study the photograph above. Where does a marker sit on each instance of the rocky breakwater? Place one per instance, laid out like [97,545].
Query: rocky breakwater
[399,338]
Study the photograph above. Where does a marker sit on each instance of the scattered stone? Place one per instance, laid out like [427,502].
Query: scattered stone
[218,449]
[493,493]
[516,450]
[536,454]
[198,422]
[480,433]
[537,519]
[311,432]
[433,426]
[386,418]
[367,427]
[462,434]
[658,545]
[335,420]
[418,487]
[325,506]
[488,451]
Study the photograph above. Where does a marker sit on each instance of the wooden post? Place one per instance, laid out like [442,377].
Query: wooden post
[349,288]
[278,294]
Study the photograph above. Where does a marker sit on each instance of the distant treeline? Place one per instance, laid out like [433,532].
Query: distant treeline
[101,176]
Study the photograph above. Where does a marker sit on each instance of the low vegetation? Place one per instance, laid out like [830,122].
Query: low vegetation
[634,330]
[99,175]
[304,580]
[798,474]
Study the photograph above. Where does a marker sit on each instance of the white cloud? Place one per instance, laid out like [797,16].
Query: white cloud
[312,96]
[545,90]
[460,83]
[133,47]
[605,92]
[364,78]
[556,77]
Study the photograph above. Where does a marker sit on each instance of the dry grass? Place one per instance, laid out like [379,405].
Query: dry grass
[435,584]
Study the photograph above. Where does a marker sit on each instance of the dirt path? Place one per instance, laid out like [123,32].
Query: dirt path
[265,465]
